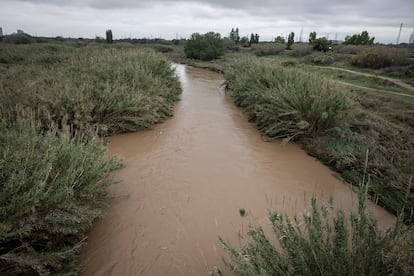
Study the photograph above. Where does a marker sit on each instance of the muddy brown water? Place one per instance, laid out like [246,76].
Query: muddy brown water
[187,179]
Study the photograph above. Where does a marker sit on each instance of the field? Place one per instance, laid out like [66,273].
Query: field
[57,103]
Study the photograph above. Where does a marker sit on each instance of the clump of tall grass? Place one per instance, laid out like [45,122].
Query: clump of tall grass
[52,186]
[268,49]
[92,89]
[301,50]
[325,242]
[380,57]
[287,102]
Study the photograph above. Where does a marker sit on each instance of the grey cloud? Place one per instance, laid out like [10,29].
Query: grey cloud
[317,15]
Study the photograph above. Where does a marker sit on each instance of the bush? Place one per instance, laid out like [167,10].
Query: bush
[284,102]
[322,44]
[325,242]
[320,59]
[21,38]
[52,186]
[301,50]
[380,57]
[267,49]
[208,46]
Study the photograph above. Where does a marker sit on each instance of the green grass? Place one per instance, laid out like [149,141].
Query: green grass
[56,102]
[324,241]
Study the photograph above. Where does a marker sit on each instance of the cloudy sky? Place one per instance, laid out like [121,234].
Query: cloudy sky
[179,18]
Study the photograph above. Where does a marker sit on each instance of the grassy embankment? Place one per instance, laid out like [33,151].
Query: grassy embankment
[56,102]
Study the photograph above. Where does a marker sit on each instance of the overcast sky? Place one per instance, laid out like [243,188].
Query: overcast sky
[180,18]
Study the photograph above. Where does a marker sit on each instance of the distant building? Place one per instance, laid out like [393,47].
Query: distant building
[20,31]
[1,31]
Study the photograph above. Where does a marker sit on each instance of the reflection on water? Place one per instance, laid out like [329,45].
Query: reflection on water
[188,178]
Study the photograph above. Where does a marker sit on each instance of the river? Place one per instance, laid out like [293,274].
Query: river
[186,180]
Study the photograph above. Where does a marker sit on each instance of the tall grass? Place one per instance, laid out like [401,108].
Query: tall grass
[52,186]
[91,89]
[325,242]
[55,102]
[284,102]
[268,49]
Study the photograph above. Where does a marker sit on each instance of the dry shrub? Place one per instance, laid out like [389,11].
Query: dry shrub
[268,49]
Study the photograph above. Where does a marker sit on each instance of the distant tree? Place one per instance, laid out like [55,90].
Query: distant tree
[207,46]
[359,39]
[252,39]
[291,40]
[322,44]
[109,38]
[280,39]
[312,37]
[234,35]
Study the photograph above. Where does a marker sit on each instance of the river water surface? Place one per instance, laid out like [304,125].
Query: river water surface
[187,179]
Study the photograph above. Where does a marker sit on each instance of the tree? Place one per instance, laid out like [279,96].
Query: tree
[109,38]
[312,37]
[359,39]
[234,35]
[291,40]
[280,39]
[207,46]
[244,41]
[322,44]
[256,38]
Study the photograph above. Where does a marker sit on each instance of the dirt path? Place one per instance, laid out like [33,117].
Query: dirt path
[186,181]
[395,81]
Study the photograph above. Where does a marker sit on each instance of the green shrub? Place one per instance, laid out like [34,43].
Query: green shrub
[207,46]
[380,57]
[325,242]
[267,49]
[320,59]
[21,38]
[286,102]
[301,50]
[52,187]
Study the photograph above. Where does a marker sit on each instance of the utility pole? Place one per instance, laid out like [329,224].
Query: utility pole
[399,34]
[411,41]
